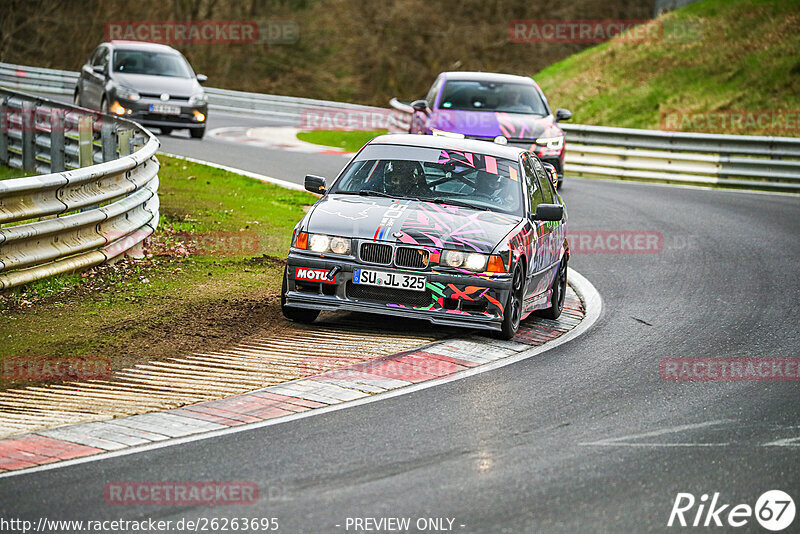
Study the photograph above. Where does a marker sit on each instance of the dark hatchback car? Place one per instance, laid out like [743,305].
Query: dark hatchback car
[150,83]
[458,232]
[490,106]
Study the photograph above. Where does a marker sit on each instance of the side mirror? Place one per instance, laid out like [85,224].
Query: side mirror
[549,212]
[202,78]
[420,105]
[563,115]
[315,184]
[98,69]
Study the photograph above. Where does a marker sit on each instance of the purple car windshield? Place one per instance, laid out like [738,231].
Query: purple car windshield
[457,178]
[462,95]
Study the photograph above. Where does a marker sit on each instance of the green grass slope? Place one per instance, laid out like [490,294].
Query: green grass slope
[713,56]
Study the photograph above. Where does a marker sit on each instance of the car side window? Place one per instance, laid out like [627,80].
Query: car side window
[431,96]
[550,189]
[101,57]
[541,174]
[95,59]
[534,189]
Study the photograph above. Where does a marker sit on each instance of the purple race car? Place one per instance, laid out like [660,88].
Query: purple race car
[493,107]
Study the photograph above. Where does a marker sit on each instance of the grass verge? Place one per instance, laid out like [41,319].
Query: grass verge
[212,276]
[6,173]
[351,141]
[712,56]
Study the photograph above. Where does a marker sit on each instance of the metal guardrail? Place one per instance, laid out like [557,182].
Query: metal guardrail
[285,109]
[98,201]
[650,155]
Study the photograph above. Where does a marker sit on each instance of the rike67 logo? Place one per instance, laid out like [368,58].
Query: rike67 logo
[774,510]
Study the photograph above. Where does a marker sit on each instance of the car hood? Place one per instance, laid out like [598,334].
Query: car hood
[492,124]
[146,83]
[409,221]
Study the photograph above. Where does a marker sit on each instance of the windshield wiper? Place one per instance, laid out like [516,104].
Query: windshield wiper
[373,193]
[452,202]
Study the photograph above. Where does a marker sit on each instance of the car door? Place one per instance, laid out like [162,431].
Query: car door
[94,82]
[85,79]
[551,232]
[540,244]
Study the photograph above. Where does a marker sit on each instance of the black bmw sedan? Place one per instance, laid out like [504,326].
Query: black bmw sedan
[458,232]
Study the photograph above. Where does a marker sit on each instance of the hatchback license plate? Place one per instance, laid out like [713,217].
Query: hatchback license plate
[414,282]
[165,109]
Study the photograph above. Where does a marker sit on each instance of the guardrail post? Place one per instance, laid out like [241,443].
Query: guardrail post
[86,145]
[57,152]
[85,138]
[28,145]
[108,136]
[124,142]
[4,125]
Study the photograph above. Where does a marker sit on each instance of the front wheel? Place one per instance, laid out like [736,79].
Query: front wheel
[513,311]
[77,98]
[298,315]
[197,133]
[559,292]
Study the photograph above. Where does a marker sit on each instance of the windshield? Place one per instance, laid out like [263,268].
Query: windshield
[492,96]
[443,176]
[152,63]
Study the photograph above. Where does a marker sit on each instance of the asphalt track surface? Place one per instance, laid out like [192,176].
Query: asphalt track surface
[586,437]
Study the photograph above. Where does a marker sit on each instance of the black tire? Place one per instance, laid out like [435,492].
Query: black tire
[197,133]
[513,312]
[165,130]
[298,315]
[559,291]
[558,184]
[104,105]
[77,98]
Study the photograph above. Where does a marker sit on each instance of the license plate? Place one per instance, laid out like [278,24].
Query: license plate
[414,282]
[165,109]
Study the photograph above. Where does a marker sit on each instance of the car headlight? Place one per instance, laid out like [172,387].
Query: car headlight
[553,143]
[196,100]
[127,94]
[323,244]
[471,261]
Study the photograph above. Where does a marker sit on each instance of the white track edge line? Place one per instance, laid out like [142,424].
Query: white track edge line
[255,175]
[593,306]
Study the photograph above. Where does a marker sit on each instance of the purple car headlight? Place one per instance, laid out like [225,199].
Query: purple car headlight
[553,143]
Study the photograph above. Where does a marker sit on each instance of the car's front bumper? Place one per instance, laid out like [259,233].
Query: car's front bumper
[449,299]
[139,111]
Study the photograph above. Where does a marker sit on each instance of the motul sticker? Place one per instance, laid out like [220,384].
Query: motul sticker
[312,275]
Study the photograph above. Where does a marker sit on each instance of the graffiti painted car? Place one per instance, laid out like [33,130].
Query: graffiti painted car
[458,232]
[490,106]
